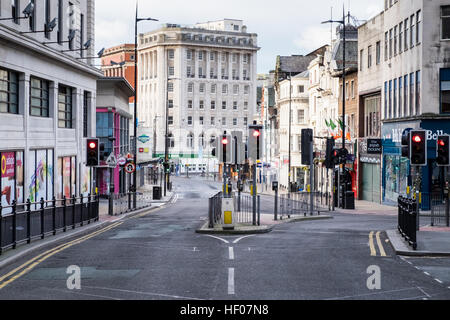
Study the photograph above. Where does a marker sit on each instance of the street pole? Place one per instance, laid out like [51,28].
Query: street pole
[135,105]
[343,205]
[290,120]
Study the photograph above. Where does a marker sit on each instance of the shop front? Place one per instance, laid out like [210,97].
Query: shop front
[370,151]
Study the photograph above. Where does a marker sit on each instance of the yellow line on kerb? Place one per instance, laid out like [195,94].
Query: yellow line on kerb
[380,245]
[32,263]
[373,252]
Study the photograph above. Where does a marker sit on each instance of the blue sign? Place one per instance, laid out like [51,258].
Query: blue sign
[144,138]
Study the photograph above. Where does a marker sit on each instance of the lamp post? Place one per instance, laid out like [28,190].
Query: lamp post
[343,97]
[135,97]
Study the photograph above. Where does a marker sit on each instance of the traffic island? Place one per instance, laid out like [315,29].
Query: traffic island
[433,243]
[267,225]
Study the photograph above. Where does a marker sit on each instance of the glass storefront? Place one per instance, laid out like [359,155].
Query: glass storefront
[396,170]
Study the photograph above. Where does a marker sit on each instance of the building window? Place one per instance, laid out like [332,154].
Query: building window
[191,87]
[86,102]
[213,121]
[378,53]
[236,89]
[60,21]
[224,89]
[369,57]
[189,104]
[9,89]
[390,99]
[445,22]
[445,90]
[213,105]
[418,79]
[395,41]
[201,119]
[352,88]
[171,141]
[400,94]
[386,46]
[411,32]
[170,87]
[15,10]
[190,141]
[171,54]
[235,105]
[189,121]
[65,107]
[400,37]
[201,104]
[390,43]
[224,105]
[406,26]
[212,56]
[224,121]
[200,55]
[235,122]
[394,97]
[189,54]
[301,116]
[71,13]
[411,93]
[245,121]
[405,96]
[170,120]
[245,105]
[246,89]
[202,88]
[170,104]
[47,18]
[301,89]
[418,29]
[171,71]
[213,88]
[32,20]
[200,72]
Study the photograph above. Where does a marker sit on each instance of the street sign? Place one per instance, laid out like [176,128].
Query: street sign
[121,161]
[130,168]
[111,161]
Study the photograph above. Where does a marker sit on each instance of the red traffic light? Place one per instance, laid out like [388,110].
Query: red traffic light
[92,145]
[256,133]
[441,143]
[417,139]
[224,141]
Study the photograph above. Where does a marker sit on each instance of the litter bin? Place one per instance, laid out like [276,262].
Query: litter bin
[157,193]
[350,200]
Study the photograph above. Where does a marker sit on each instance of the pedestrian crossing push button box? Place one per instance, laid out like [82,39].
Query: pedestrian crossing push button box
[228,215]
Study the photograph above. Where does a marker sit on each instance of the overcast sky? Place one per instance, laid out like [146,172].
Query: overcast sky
[284,27]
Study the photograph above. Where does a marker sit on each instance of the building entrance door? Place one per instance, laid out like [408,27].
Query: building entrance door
[371,182]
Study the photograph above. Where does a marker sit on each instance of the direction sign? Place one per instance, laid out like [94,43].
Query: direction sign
[130,168]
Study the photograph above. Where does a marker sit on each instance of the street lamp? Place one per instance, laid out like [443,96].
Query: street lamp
[343,97]
[135,98]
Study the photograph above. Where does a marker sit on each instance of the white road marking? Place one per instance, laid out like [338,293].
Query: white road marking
[427,273]
[231,281]
[226,241]
[231,253]
[143,293]
[423,291]
[241,238]
[438,280]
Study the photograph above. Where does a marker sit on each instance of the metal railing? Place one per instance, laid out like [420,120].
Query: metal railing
[123,203]
[407,220]
[25,222]
[440,210]
[299,203]
[243,205]
[215,210]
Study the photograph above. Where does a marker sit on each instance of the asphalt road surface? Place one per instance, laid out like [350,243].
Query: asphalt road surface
[159,256]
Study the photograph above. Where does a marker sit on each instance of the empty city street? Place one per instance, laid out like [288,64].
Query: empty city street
[157,255]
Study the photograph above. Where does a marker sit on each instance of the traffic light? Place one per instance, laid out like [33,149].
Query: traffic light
[307,146]
[443,150]
[255,142]
[92,153]
[339,156]
[329,164]
[418,148]
[406,143]
[225,148]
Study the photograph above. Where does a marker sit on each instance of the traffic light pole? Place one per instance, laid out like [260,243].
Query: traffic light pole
[254,194]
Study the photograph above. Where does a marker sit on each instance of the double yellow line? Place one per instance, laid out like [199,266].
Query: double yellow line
[373,251]
[32,263]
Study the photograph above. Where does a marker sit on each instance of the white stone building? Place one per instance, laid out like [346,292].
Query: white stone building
[47,99]
[206,75]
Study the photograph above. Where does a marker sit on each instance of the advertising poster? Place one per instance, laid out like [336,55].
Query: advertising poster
[59,180]
[19,177]
[7,161]
[86,181]
[66,176]
[73,173]
[50,174]
[41,175]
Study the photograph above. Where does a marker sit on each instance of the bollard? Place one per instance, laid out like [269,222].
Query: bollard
[276,205]
[28,209]
[211,213]
[259,210]
[42,219]
[14,226]
[54,213]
